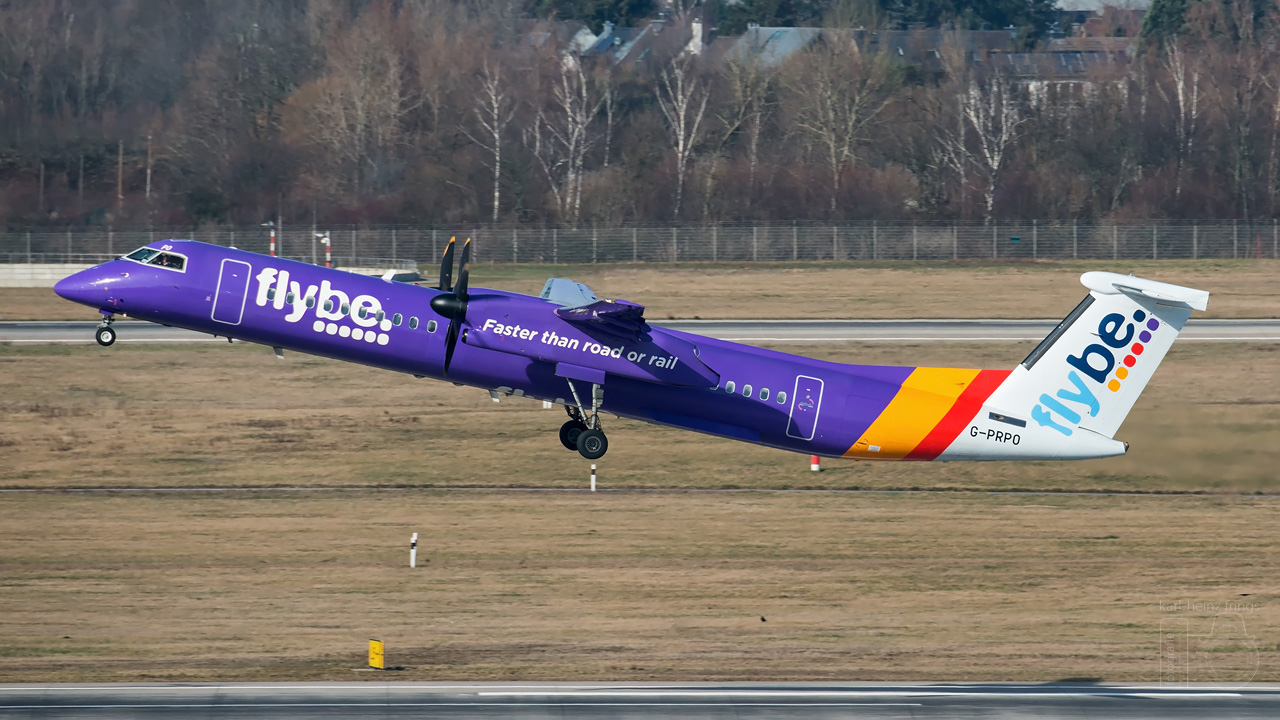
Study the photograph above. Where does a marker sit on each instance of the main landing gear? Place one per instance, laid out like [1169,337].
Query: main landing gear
[582,432]
[105,335]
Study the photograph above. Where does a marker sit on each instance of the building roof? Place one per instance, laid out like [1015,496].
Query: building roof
[1055,65]
[1096,6]
[771,46]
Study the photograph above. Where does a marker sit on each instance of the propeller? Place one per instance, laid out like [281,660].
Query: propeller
[454,304]
[446,267]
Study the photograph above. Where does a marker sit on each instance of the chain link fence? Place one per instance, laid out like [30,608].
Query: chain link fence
[410,246]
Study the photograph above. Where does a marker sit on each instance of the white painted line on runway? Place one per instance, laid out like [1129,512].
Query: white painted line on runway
[440,704]
[1170,695]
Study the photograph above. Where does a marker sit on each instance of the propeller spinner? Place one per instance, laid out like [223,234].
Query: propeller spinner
[453,305]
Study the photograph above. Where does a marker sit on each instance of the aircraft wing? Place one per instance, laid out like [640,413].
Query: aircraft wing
[618,318]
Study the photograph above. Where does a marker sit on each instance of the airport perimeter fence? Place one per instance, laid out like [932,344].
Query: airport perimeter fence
[405,246]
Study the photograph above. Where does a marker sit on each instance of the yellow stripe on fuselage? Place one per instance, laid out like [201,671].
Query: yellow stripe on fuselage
[922,401]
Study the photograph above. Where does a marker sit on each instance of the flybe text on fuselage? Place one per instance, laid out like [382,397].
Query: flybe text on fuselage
[331,306]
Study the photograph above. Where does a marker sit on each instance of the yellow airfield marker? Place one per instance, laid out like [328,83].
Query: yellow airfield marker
[375,655]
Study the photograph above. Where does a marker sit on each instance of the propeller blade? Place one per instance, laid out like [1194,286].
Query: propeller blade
[451,342]
[464,272]
[446,267]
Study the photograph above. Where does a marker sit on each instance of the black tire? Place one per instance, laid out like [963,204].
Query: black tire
[592,444]
[569,433]
[105,336]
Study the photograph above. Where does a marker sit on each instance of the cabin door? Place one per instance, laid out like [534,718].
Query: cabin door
[806,401]
[232,291]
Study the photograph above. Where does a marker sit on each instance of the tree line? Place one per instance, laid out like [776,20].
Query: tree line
[168,112]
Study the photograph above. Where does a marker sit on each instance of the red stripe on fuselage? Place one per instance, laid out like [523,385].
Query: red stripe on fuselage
[964,409]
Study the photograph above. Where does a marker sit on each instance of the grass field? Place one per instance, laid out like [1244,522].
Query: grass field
[1244,289]
[626,586]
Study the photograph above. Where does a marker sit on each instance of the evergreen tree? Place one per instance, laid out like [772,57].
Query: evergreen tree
[595,13]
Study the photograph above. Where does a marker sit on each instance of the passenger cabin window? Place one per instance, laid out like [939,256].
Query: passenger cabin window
[746,391]
[764,393]
[381,314]
[311,301]
[328,305]
[396,319]
[346,309]
[289,298]
[730,387]
[413,323]
[271,293]
[782,398]
[431,326]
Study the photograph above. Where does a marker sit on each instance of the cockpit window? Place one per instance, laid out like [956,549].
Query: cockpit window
[168,260]
[159,258]
[143,254]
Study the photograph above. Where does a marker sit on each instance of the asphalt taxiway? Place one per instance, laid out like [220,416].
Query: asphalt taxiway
[635,700]
[747,331]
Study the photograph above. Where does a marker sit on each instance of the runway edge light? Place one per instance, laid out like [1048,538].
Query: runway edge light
[375,655]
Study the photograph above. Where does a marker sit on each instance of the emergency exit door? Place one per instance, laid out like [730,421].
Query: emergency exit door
[806,401]
[232,291]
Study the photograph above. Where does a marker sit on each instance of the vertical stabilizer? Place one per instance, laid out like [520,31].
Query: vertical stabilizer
[1087,374]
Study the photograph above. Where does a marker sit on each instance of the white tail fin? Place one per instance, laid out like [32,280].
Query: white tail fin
[1089,371]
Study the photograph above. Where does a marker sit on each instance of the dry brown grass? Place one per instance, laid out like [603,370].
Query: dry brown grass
[157,416]
[622,585]
[625,586]
[842,290]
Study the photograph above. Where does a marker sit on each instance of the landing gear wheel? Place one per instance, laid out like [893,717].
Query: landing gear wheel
[569,433]
[105,336]
[592,444]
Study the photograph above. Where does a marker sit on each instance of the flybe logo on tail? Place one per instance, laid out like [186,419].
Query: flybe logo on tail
[1096,363]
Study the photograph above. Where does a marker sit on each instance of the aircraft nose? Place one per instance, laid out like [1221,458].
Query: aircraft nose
[84,287]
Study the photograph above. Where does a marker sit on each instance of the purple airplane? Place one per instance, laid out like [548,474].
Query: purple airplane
[1066,400]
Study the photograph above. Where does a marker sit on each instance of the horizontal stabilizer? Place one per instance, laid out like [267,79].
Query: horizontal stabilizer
[1109,283]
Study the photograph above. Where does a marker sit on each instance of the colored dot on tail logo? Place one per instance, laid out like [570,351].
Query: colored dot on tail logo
[1144,336]
[1114,385]
[1139,316]
[1129,360]
[1152,324]
[1137,348]
[1122,373]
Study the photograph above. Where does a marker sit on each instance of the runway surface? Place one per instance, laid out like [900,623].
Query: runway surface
[748,331]
[635,700]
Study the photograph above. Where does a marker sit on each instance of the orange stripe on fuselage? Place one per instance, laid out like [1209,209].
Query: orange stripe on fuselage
[924,399]
[959,416]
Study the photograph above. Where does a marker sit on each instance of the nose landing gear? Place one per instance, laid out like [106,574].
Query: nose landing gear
[582,432]
[105,335]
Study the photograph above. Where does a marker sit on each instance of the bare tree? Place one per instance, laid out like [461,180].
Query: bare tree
[493,111]
[357,110]
[1183,94]
[989,123]
[560,136]
[839,94]
[682,97]
[750,83]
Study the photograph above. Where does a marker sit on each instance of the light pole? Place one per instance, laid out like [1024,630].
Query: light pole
[328,248]
[271,224]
